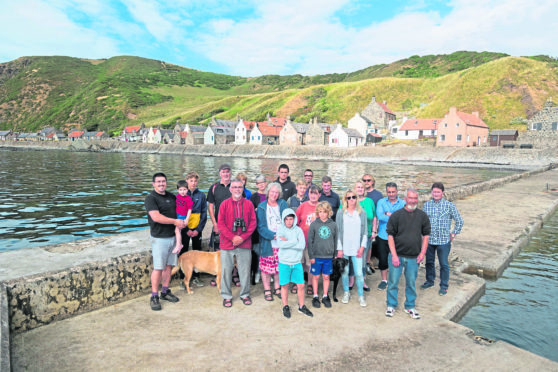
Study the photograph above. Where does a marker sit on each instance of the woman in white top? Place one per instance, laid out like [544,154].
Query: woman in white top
[353,236]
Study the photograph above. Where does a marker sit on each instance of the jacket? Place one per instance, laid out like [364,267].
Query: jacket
[266,235]
[340,228]
[231,209]
[290,251]
[200,206]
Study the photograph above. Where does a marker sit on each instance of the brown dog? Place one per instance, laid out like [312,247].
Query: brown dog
[207,262]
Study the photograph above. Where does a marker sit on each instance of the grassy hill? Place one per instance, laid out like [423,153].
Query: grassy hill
[107,94]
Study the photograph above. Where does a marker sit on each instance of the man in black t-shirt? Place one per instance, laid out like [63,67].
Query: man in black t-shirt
[408,231]
[288,188]
[161,215]
[217,194]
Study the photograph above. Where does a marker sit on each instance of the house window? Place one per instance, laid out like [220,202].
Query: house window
[458,138]
[494,138]
[258,137]
[445,125]
[457,125]
[442,138]
[555,125]
[406,133]
[467,138]
[394,130]
[537,126]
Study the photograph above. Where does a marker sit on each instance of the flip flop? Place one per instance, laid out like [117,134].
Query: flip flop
[227,302]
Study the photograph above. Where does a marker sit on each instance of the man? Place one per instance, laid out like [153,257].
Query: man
[386,206]
[196,224]
[288,187]
[161,215]
[236,225]
[308,177]
[371,192]
[330,196]
[408,231]
[441,212]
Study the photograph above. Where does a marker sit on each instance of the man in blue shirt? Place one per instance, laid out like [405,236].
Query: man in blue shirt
[330,196]
[386,206]
[441,212]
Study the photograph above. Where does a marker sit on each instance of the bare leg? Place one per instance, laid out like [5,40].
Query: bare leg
[266,280]
[315,279]
[276,281]
[167,275]
[325,279]
[284,294]
[300,294]
[156,280]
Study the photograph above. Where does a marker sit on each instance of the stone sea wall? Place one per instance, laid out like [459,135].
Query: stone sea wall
[475,156]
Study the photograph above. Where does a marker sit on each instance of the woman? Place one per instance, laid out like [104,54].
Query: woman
[244,178]
[367,205]
[256,198]
[269,219]
[353,236]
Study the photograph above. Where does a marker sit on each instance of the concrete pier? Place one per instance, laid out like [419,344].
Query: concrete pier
[198,333]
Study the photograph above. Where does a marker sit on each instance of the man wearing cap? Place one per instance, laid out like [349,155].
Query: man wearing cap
[161,215]
[287,186]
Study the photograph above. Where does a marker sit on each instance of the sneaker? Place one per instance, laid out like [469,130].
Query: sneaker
[443,291]
[182,285]
[197,282]
[382,286]
[346,297]
[326,301]
[304,310]
[169,296]
[286,311]
[155,304]
[362,301]
[426,285]
[369,269]
[316,302]
[390,311]
[413,313]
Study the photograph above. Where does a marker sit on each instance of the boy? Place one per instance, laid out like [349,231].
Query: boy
[183,211]
[322,245]
[290,239]
[296,200]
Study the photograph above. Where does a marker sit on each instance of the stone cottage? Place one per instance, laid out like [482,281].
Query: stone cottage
[378,114]
[318,133]
[293,133]
[545,120]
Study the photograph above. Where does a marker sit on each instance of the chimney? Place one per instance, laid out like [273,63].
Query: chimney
[237,116]
[373,99]
[476,114]
[453,110]
[384,102]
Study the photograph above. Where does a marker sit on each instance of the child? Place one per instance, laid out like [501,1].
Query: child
[300,197]
[322,244]
[290,240]
[184,206]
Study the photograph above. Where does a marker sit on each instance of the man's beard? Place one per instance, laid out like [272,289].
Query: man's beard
[411,207]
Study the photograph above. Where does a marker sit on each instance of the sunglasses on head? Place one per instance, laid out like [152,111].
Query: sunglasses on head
[351,197]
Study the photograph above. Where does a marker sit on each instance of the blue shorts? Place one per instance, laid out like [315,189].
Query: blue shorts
[181,217]
[290,273]
[161,250]
[322,266]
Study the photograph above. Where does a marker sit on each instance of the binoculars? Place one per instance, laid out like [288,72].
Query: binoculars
[239,222]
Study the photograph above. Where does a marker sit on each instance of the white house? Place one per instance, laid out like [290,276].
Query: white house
[242,132]
[413,129]
[345,137]
[362,125]
[209,136]
[256,136]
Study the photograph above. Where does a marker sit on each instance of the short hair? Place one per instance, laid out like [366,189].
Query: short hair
[192,174]
[411,190]
[326,179]
[371,177]
[260,178]
[300,182]
[391,184]
[309,170]
[290,215]
[237,180]
[437,185]
[313,189]
[181,183]
[274,185]
[283,166]
[326,207]
[159,174]
[242,176]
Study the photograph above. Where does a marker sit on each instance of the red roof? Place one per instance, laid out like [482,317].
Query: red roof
[419,124]
[471,119]
[278,121]
[374,134]
[386,109]
[76,134]
[51,135]
[268,130]
[183,134]
[132,128]
[249,124]
[99,134]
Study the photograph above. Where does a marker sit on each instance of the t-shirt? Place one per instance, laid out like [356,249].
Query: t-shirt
[333,200]
[183,204]
[375,195]
[166,205]
[217,194]
[273,221]
[305,215]
[407,229]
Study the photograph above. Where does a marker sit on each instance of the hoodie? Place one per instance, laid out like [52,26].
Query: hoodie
[290,251]
[322,239]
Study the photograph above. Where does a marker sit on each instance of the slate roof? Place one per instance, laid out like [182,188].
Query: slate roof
[300,127]
[197,128]
[222,131]
[225,123]
[420,124]
[5,132]
[352,132]
[504,132]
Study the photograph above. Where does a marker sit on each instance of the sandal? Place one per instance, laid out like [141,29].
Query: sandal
[236,281]
[213,283]
[278,292]
[309,290]
[294,289]
[227,302]
[246,300]
[267,295]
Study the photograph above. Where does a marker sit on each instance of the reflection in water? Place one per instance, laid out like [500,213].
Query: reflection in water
[51,197]
[520,307]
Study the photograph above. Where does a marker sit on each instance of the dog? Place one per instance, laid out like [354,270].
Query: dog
[339,265]
[207,262]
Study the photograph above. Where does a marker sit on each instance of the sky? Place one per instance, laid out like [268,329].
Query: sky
[258,37]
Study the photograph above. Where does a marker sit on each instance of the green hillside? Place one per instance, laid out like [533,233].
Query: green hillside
[36,92]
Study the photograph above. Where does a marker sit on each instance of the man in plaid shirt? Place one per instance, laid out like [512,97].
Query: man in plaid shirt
[441,212]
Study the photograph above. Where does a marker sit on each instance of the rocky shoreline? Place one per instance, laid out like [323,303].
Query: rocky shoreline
[483,157]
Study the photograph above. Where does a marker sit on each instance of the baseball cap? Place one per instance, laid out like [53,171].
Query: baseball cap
[224,166]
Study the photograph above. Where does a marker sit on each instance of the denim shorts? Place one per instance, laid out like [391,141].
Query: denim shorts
[322,266]
[290,273]
[161,250]
[181,217]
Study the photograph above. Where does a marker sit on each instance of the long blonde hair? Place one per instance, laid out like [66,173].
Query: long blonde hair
[346,202]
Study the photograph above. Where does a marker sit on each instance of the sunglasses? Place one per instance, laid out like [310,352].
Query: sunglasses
[367,180]
[351,197]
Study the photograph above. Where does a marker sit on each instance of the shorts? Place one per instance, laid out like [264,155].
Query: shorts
[181,217]
[161,250]
[290,273]
[322,266]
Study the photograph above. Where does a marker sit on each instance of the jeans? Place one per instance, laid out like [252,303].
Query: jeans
[443,251]
[357,267]
[410,267]
[243,260]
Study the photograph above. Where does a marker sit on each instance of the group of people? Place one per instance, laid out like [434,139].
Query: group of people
[288,234]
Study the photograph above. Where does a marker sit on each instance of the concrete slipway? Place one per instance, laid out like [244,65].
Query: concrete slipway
[198,333]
